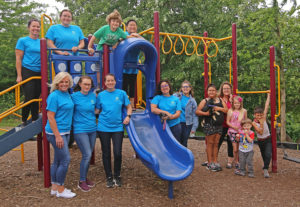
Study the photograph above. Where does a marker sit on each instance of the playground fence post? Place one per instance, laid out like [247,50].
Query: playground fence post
[105,63]
[44,86]
[234,59]
[205,67]
[273,108]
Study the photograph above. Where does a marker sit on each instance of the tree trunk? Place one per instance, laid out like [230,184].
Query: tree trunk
[283,103]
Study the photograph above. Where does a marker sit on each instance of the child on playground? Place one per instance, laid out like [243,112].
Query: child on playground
[245,137]
[110,34]
[235,116]
[263,135]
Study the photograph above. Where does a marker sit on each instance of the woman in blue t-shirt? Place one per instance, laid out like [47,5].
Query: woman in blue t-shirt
[110,126]
[28,64]
[65,35]
[60,112]
[168,107]
[84,126]
[188,117]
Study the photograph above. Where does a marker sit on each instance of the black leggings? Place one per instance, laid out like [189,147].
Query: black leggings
[32,90]
[229,144]
[129,81]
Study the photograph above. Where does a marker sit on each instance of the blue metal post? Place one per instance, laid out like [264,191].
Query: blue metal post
[170,194]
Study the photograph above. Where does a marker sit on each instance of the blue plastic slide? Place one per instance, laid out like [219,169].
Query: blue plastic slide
[158,149]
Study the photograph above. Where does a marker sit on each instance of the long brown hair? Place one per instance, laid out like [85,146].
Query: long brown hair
[190,85]
[221,93]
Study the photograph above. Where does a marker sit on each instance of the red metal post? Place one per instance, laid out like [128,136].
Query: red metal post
[273,108]
[105,63]
[234,59]
[156,44]
[40,151]
[205,68]
[44,81]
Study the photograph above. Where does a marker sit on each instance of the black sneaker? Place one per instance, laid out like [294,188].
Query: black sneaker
[109,182]
[118,181]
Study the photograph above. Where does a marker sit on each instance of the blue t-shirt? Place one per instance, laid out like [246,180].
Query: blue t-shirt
[32,56]
[65,37]
[110,104]
[131,57]
[170,104]
[184,100]
[61,103]
[84,119]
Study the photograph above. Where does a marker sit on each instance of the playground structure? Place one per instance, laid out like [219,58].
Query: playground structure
[152,156]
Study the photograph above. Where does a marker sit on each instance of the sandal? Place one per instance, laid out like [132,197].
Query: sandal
[228,165]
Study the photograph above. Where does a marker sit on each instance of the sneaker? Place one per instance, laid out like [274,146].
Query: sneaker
[54,192]
[266,173]
[82,185]
[228,165]
[118,181]
[109,182]
[237,172]
[214,167]
[237,165]
[208,166]
[91,184]
[251,175]
[65,194]
[204,163]
[218,167]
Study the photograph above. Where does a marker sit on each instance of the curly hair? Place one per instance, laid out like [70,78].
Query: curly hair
[114,15]
[158,89]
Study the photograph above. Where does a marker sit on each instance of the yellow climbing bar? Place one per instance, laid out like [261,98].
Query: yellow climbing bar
[278,88]
[185,40]
[42,23]
[250,92]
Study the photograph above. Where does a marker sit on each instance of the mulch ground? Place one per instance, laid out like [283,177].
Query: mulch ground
[22,185]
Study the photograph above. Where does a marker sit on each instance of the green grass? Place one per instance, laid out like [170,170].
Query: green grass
[8,123]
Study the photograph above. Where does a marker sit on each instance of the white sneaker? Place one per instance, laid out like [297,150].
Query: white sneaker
[65,194]
[54,192]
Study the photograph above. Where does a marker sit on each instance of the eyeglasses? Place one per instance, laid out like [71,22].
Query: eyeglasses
[185,87]
[164,86]
[226,88]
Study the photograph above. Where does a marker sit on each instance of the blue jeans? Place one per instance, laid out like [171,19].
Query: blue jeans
[117,139]
[176,131]
[185,133]
[86,143]
[61,161]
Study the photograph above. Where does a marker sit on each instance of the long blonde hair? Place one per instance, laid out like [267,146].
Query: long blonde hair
[58,78]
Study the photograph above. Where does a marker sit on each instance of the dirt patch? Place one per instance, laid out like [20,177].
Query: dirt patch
[22,184]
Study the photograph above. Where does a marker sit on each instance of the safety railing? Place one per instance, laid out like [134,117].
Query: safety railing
[185,40]
[18,105]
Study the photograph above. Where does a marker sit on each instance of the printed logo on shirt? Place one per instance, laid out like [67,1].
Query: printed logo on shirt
[173,103]
[117,98]
[73,32]
[92,101]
